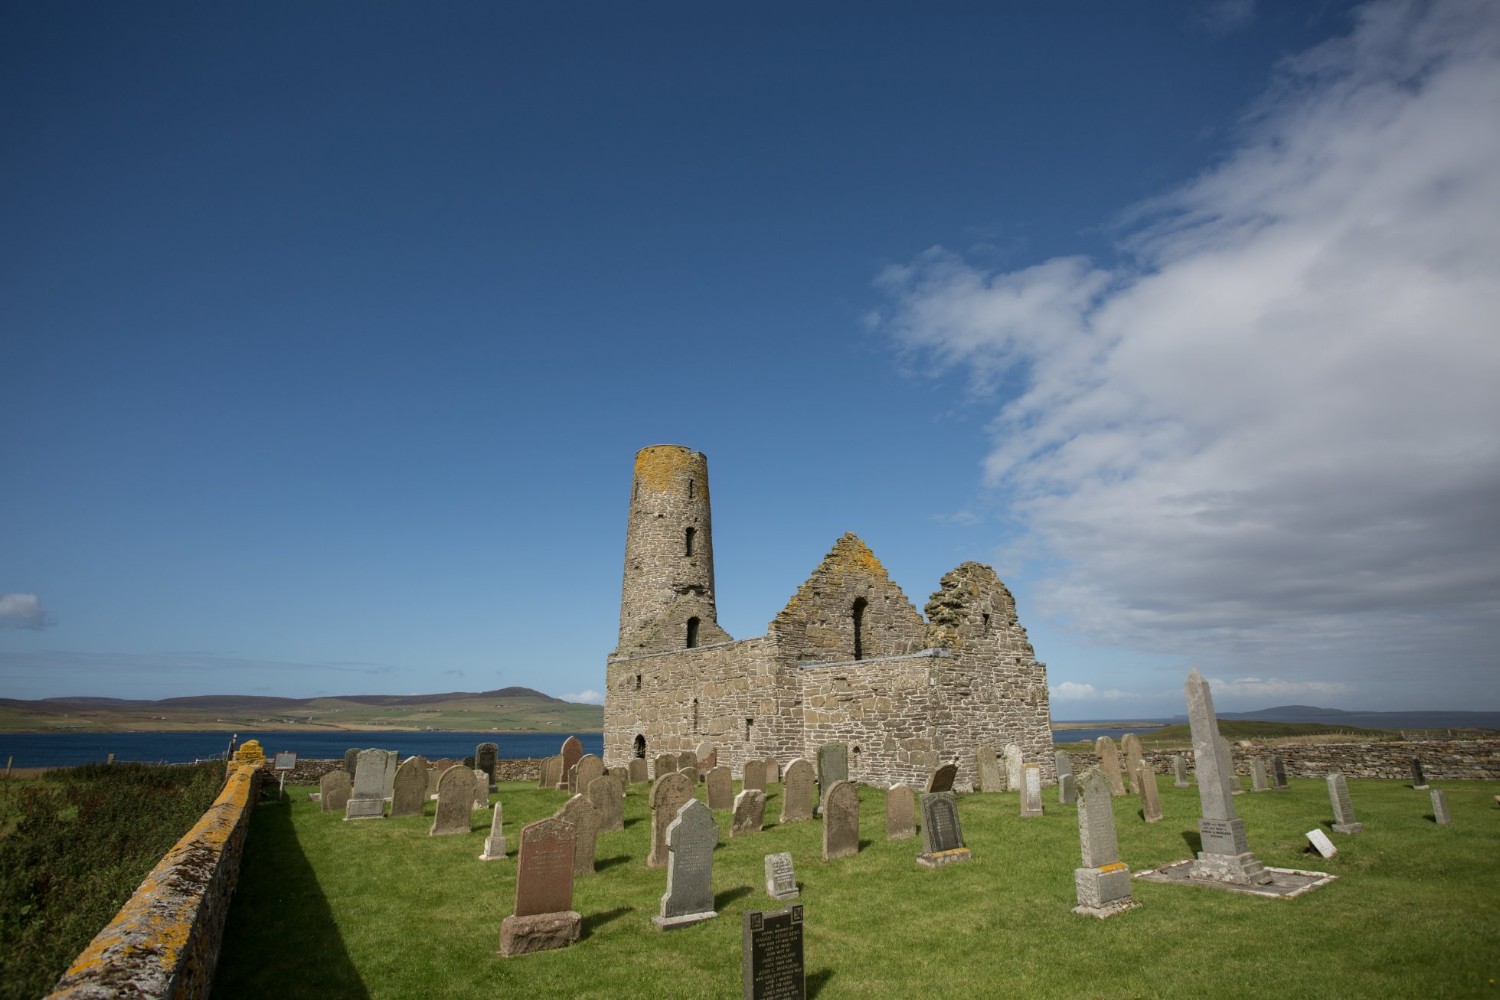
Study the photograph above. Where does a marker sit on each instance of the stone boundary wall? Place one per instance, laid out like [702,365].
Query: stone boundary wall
[310,771]
[1442,760]
[165,940]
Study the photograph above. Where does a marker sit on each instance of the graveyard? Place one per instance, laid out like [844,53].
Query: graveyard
[379,908]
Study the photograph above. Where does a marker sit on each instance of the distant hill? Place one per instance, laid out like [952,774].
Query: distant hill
[1430,719]
[511,709]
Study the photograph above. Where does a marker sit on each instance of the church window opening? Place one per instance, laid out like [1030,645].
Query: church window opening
[859,626]
[640,746]
[695,715]
[688,541]
[692,633]
[637,682]
[986,621]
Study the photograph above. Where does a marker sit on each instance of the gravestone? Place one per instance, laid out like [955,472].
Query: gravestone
[664,764]
[942,834]
[781,882]
[481,789]
[571,753]
[1031,791]
[639,771]
[687,759]
[333,791]
[840,820]
[1343,806]
[368,799]
[749,812]
[585,819]
[754,775]
[573,779]
[351,763]
[1145,783]
[587,769]
[900,813]
[455,802]
[486,756]
[1231,776]
[1063,761]
[544,917]
[988,769]
[1109,764]
[409,793]
[1103,883]
[797,792]
[1321,843]
[720,785]
[604,795]
[1418,779]
[1067,790]
[1130,749]
[1258,782]
[706,757]
[692,774]
[553,775]
[670,792]
[773,771]
[1278,773]
[1179,771]
[469,762]
[1014,762]
[1440,812]
[1226,855]
[494,844]
[833,766]
[772,966]
[434,773]
[691,838]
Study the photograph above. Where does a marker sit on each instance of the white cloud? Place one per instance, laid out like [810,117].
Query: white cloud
[1070,691]
[1272,432]
[23,611]
[585,697]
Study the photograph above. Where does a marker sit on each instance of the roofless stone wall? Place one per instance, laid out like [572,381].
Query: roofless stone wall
[165,940]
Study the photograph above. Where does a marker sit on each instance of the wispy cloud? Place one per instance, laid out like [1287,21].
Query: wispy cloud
[23,611]
[1271,432]
[585,697]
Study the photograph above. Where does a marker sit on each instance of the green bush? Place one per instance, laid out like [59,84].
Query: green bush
[81,841]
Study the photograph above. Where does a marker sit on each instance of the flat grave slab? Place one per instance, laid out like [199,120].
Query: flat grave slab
[1286,883]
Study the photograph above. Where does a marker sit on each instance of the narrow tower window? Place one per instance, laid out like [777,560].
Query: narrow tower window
[695,715]
[692,633]
[986,621]
[688,540]
[637,682]
[690,487]
[859,626]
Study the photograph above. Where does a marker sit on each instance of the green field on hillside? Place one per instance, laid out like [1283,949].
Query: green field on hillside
[379,909]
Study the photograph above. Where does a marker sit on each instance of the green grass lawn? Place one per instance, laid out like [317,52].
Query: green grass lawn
[379,909]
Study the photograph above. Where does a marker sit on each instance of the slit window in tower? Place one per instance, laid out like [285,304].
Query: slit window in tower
[986,621]
[695,715]
[692,633]
[637,682]
[690,487]
[859,624]
[688,541]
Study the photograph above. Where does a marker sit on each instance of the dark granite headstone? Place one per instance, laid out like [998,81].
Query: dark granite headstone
[772,966]
[1418,779]
[485,757]
[691,839]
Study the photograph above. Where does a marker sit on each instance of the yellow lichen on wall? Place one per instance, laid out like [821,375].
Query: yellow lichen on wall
[658,467]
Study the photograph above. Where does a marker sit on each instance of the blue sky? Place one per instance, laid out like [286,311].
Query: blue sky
[330,332]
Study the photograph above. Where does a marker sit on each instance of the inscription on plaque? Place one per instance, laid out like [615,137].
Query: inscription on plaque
[1215,828]
[771,962]
[944,826]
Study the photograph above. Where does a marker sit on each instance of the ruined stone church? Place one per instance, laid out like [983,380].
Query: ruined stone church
[849,658]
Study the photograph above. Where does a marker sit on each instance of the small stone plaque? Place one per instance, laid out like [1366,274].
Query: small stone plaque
[781,881]
[771,958]
[286,760]
[1320,840]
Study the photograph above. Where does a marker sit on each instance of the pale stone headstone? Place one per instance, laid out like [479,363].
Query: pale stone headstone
[1258,781]
[573,779]
[691,838]
[942,834]
[1103,883]
[333,789]
[1179,771]
[1278,773]
[1031,790]
[409,793]
[772,966]
[481,790]
[773,771]
[1145,783]
[1014,762]
[720,786]
[749,812]
[586,770]
[368,798]
[1063,761]
[668,795]
[1321,843]
[553,775]
[455,802]
[486,756]
[1440,812]
[494,844]
[988,769]
[755,775]
[797,792]
[706,757]
[1226,855]
[544,917]
[571,752]
[1130,749]
[840,820]
[833,766]
[781,882]
[604,794]
[1067,790]
[639,771]
[585,819]
[687,759]
[1343,806]
[1418,779]
[664,764]
[1232,776]
[692,774]
[900,813]
[1109,764]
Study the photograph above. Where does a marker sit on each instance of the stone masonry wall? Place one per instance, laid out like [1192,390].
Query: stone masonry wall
[1442,760]
[165,940]
[881,709]
[668,499]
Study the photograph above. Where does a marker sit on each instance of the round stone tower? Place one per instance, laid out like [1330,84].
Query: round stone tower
[669,547]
